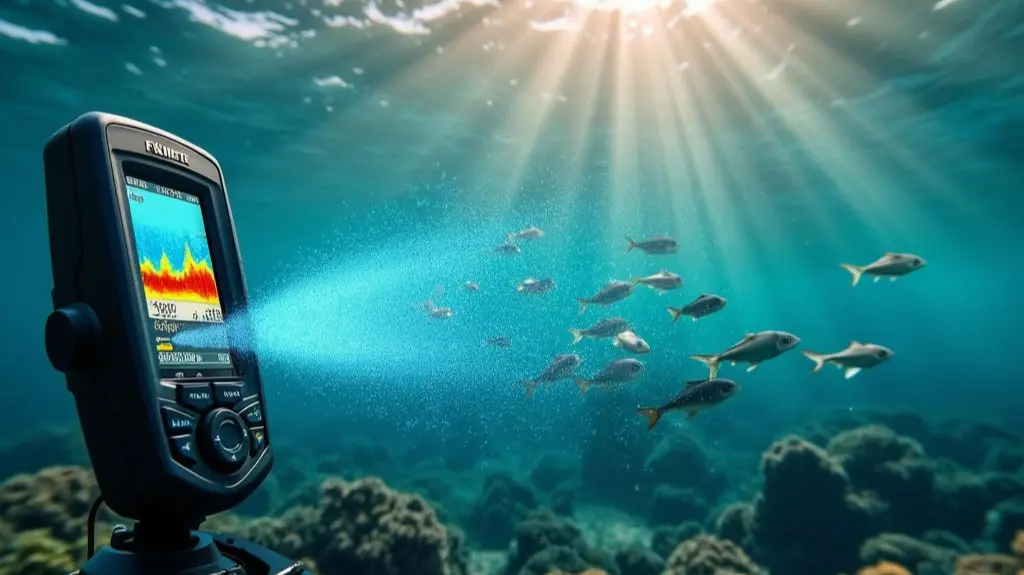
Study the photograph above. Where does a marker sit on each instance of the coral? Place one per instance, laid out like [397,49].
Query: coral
[36,552]
[364,527]
[987,565]
[672,505]
[664,540]
[807,517]
[708,555]
[735,523]
[885,568]
[639,561]
[893,467]
[552,470]
[1004,520]
[1017,546]
[503,502]
[561,501]
[545,541]
[919,556]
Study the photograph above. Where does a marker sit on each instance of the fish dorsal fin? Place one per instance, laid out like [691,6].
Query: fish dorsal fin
[692,382]
[703,295]
[855,343]
[749,336]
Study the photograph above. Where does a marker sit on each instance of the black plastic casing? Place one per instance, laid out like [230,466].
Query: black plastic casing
[118,391]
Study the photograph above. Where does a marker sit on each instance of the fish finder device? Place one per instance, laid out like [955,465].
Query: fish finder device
[143,251]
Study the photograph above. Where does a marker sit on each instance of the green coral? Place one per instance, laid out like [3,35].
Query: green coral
[36,552]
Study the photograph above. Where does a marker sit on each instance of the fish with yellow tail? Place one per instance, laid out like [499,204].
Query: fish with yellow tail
[618,371]
[696,396]
[612,292]
[856,357]
[891,265]
[562,366]
[754,349]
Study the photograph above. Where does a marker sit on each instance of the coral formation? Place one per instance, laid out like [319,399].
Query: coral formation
[709,555]
[551,471]
[503,502]
[364,527]
[885,568]
[664,539]
[546,542]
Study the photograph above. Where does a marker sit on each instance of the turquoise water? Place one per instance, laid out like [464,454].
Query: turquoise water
[374,153]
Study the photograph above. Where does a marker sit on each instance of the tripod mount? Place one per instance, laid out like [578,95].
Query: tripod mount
[154,548]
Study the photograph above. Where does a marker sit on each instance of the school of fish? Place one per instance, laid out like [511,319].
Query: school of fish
[696,395]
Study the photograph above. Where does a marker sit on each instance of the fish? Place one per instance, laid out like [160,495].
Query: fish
[631,342]
[856,357]
[526,234]
[608,327]
[439,312]
[471,287]
[696,396]
[662,281]
[754,349]
[612,292]
[618,371]
[535,286]
[498,341]
[891,265]
[508,248]
[658,245]
[562,366]
[704,305]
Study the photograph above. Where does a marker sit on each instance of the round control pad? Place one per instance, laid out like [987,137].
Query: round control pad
[224,439]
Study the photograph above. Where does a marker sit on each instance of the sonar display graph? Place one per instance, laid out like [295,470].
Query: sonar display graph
[173,253]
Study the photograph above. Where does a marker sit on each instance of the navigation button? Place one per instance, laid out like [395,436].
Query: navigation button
[183,449]
[259,439]
[197,396]
[252,414]
[227,393]
[177,422]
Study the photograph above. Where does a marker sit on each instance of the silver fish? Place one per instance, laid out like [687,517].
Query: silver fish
[612,292]
[631,342]
[535,286]
[618,371]
[704,305]
[891,265]
[439,312]
[498,341]
[609,327]
[696,396]
[563,366]
[526,234]
[856,357]
[754,348]
[662,281]
[471,286]
[508,248]
[658,245]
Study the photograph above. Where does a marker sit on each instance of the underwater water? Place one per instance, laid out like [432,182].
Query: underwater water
[379,155]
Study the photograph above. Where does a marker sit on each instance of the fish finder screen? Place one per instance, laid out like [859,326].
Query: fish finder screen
[177,276]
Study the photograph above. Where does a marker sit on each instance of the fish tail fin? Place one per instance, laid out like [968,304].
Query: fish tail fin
[819,360]
[709,360]
[653,414]
[857,272]
[577,335]
[583,304]
[675,312]
[584,384]
[631,245]
[530,385]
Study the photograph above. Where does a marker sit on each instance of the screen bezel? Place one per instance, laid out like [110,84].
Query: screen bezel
[130,165]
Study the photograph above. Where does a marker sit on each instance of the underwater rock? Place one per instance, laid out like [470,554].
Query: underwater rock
[1005,458]
[552,470]
[261,502]
[679,460]
[708,555]
[561,501]
[664,540]
[639,561]
[36,552]
[1004,521]
[502,504]
[736,523]
[968,443]
[920,557]
[987,565]
[961,500]
[364,527]
[672,505]
[807,518]
[894,467]
[885,568]
[545,542]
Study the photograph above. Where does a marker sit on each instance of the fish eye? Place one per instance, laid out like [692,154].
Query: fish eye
[883,353]
[917,261]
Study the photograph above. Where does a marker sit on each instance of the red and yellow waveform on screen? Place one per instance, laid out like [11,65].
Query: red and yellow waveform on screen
[193,281]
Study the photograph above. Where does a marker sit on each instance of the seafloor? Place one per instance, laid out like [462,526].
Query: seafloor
[882,493]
